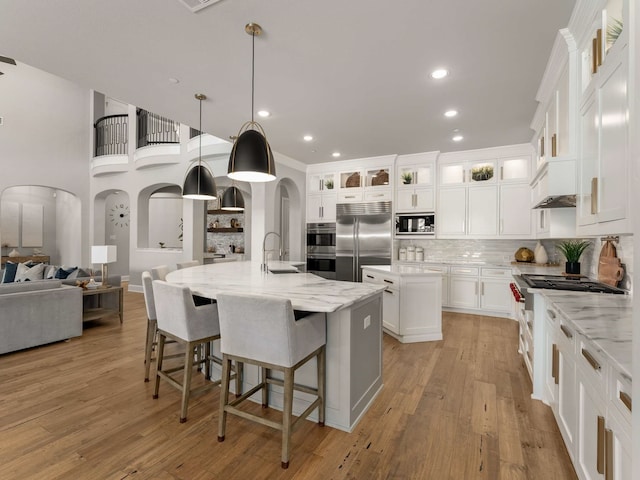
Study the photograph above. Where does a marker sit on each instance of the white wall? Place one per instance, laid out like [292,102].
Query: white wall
[45,139]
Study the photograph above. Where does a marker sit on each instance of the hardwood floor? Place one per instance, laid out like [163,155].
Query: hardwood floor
[455,409]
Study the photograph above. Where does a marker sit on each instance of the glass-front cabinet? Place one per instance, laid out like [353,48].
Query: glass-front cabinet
[322,182]
[468,172]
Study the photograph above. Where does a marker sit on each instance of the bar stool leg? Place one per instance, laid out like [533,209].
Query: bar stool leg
[264,372]
[186,383]
[207,361]
[224,396]
[239,368]
[287,408]
[148,348]
[161,339]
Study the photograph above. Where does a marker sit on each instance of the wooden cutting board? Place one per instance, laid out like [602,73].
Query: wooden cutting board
[610,270]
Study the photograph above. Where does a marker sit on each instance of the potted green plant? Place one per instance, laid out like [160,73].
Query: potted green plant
[407,178]
[328,183]
[572,251]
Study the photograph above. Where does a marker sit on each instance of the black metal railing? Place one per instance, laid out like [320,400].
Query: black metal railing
[154,129]
[112,135]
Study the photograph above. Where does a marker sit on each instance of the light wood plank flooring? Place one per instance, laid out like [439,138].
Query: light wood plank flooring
[455,409]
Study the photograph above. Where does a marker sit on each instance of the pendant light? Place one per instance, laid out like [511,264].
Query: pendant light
[199,183]
[251,159]
[232,200]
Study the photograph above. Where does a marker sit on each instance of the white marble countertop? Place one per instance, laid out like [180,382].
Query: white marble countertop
[403,269]
[305,290]
[517,268]
[604,319]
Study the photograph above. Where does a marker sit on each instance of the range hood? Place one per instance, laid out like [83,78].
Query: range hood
[554,186]
[557,201]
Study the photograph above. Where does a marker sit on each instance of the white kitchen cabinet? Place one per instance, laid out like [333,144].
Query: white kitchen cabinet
[591,413]
[415,200]
[463,287]
[470,172]
[451,217]
[322,182]
[566,412]
[604,161]
[495,294]
[415,182]
[321,207]
[618,460]
[482,207]
[515,211]
[412,308]
[514,169]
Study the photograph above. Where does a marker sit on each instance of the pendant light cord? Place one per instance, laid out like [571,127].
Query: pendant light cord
[253,61]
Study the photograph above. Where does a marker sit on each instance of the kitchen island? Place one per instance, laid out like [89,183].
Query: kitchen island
[354,331]
[412,310]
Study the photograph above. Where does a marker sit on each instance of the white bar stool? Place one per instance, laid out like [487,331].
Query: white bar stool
[263,331]
[180,320]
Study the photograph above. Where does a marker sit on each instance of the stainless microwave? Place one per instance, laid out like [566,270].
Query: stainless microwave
[415,224]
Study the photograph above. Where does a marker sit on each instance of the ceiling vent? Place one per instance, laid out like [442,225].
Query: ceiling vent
[196,5]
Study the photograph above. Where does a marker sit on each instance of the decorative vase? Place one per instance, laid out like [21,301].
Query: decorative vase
[572,268]
[14,253]
[540,254]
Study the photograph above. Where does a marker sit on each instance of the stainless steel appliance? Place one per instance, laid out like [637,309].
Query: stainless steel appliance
[363,237]
[415,224]
[560,282]
[321,249]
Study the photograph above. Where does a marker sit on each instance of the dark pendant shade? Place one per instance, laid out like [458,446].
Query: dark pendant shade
[251,159]
[232,200]
[199,184]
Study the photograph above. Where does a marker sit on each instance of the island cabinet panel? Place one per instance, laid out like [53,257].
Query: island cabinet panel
[412,310]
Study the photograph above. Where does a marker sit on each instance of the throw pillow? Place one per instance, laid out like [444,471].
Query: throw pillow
[9,275]
[62,273]
[50,272]
[25,273]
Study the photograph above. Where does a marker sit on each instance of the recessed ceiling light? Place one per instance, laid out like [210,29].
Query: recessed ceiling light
[450,113]
[307,138]
[440,73]
[335,154]
[174,80]
[457,138]
[263,113]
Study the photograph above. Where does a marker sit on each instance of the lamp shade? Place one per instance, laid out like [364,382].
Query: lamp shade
[232,200]
[251,159]
[103,254]
[199,184]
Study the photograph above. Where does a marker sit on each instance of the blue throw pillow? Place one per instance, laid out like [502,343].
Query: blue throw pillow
[10,270]
[61,273]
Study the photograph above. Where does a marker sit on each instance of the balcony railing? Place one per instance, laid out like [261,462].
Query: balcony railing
[154,129]
[111,135]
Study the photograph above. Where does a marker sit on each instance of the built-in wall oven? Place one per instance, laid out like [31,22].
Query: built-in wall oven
[321,249]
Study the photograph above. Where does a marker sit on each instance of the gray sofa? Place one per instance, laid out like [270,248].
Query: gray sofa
[37,313]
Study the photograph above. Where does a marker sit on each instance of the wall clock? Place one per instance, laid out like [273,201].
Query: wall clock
[119,215]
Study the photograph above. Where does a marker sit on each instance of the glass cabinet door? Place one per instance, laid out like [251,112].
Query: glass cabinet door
[321,182]
[418,175]
[352,179]
[452,174]
[377,177]
[514,169]
[482,172]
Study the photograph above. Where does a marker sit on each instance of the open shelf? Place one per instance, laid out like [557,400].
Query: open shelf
[225,230]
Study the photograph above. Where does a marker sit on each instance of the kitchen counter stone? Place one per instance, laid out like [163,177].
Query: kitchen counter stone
[404,269]
[604,319]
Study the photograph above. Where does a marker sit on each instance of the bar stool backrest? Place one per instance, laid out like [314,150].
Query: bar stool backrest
[147,289]
[190,263]
[178,315]
[264,329]
[160,272]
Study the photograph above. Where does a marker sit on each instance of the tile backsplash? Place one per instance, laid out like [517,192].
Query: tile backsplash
[502,251]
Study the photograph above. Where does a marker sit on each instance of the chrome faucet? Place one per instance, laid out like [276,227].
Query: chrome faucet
[263,267]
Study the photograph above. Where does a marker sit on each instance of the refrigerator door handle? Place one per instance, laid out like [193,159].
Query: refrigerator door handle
[356,249]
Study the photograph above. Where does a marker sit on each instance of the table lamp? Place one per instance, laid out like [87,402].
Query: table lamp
[103,254]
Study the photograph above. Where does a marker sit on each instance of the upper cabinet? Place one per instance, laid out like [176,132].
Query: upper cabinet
[416,182]
[604,166]
[321,195]
[366,179]
[485,193]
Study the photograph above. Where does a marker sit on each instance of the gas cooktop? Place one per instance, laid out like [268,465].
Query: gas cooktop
[559,282]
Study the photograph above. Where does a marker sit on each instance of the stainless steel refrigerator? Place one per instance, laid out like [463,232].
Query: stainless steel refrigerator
[363,237]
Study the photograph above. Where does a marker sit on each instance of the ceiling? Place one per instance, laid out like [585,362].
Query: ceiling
[354,74]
